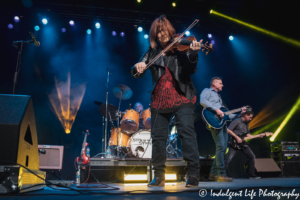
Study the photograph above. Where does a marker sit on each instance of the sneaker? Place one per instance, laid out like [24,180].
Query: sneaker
[213,177]
[157,182]
[224,178]
[193,181]
[253,176]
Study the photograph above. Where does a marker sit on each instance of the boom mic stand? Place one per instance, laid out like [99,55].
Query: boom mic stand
[106,106]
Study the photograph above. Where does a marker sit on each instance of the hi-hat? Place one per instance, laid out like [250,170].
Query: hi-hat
[111,110]
[122,92]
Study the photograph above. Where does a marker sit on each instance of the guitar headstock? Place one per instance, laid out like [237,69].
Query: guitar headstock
[248,108]
[208,48]
[86,132]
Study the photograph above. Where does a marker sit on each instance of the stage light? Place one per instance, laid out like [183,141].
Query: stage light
[16,19]
[187,33]
[275,35]
[174,4]
[146,36]
[97,25]
[114,33]
[37,28]
[10,26]
[135,177]
[212,42]
[231,37]
[71,22]
[170,177]
[139,1]
[209,35]
[45,21]
[89,31]
[211,11]
[122,34]
[287,118]
[140,29]
[63,30]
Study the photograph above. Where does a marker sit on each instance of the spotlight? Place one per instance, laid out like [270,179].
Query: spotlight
[174,4]
[97,25]
[89,31]
[146,36]
[37,28]
[231,37]
[122,34]
[139,1]
[212,42]
[16,19]
[45,21]
[187,33]
[140,29]
[71,22]
[114,33]
[10,26]
[63,30]
[209,35]
[211,11]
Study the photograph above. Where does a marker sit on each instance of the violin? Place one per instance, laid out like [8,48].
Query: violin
[184,44]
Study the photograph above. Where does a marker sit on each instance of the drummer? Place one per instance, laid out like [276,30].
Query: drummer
[138,107]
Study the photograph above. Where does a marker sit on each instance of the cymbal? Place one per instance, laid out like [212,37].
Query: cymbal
[111,110]
[98,103]
[122,92]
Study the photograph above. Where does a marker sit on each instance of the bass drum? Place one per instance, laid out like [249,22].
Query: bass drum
[138,144]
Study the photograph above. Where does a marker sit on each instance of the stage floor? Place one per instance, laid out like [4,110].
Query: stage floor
[238,189]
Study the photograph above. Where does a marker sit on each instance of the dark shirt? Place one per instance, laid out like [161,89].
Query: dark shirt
[238,126]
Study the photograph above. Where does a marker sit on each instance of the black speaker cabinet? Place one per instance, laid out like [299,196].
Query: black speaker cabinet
[18,136]
[290,168]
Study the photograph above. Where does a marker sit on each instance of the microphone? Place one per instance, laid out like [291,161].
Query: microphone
[129,106]
[36,43]
[109,71]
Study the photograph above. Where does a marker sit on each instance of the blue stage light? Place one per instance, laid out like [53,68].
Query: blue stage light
[10,26]
[140,29]
[97,25]
[187,33]
[209,35]
[37,28]
[16,19]
[212,42]
[122,34]
[71,22]
[231,37]
[146,36]
[89,31]
[45,21]
[114,33]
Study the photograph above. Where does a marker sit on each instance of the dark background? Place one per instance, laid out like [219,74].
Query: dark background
[255,67]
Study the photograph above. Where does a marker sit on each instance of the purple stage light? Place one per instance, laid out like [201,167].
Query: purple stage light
[114,33]
[122,34]
[212,42]
[63,30]
[71,22]
[16,19]
[10,26]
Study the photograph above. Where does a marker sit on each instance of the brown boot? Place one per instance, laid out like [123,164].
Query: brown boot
[224,178]
[157,182]
[213,177]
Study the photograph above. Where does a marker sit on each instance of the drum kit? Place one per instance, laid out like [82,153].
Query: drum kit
[126,140]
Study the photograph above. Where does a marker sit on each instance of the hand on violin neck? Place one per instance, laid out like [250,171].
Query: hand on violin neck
[195,47]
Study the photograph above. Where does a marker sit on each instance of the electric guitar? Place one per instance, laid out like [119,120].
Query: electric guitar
[83,159]
[214,121]
[234,144]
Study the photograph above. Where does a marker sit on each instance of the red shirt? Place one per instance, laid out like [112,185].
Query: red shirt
[169,100]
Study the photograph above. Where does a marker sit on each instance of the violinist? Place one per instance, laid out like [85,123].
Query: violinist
[173,93]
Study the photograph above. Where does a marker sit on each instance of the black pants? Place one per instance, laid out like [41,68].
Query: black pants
[184,119]
[246,151]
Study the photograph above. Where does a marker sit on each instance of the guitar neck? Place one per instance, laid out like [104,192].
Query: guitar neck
[233,111]
[83,144]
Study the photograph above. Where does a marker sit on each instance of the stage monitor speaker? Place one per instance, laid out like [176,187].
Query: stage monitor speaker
[18,136]
[52,158]
[266,167]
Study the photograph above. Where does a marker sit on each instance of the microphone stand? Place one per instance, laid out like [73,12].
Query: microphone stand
[106,108]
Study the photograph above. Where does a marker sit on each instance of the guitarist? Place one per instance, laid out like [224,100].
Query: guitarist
[235,129]
[211,100]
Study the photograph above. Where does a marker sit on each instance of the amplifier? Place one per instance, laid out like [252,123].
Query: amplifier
[286,155]
[290,168]
[14,178]
[284,146]
[52,158]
